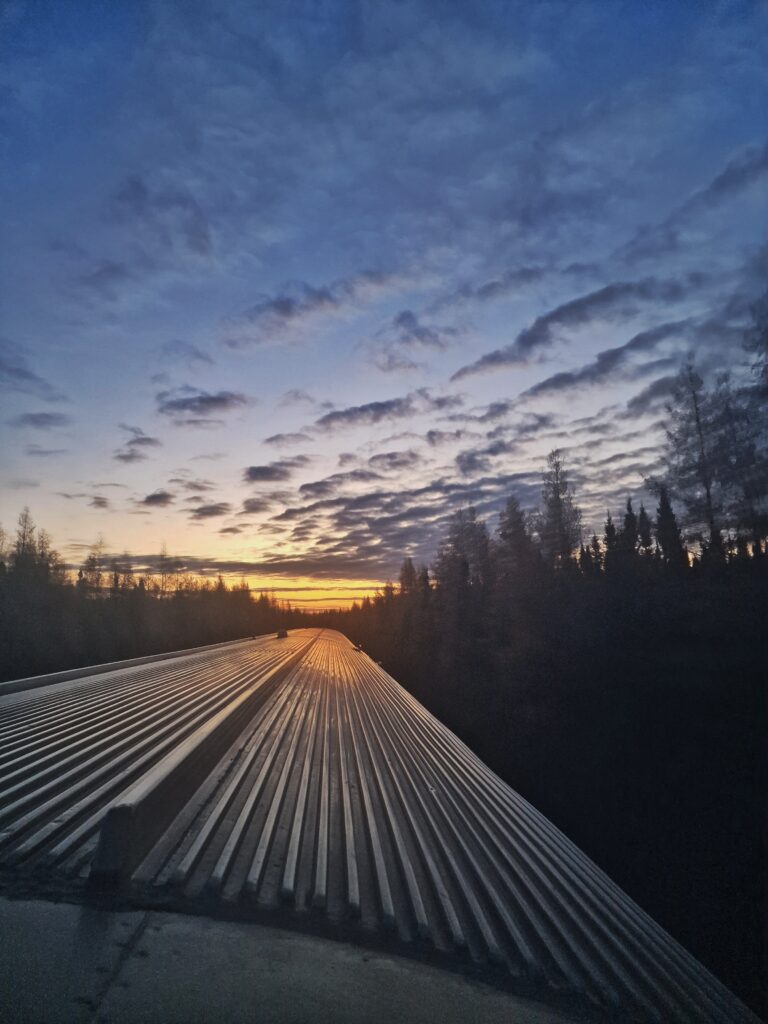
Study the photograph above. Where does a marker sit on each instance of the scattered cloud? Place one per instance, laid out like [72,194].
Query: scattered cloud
[286,439]
[188,406]
[438,437]
[254,506]
[610,362]
[158,499]
[169,218]
[16,375]
[652,397]
[619,298]
[277,317]
[392,461]
[38,451]
[331,484]
[133,449]
[191,484]
[297,397]
[40,420]
[212,511]
[742,171]
[272,472]
[370,413]
[129,455]
[186,353]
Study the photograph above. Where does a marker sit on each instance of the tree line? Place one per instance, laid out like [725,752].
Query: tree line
[52,619]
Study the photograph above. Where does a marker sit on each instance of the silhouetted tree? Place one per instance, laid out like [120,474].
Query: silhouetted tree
[560,520]
[645,531]
[668,533]
[739,463]
[689,455]
[516,550]
[407,577]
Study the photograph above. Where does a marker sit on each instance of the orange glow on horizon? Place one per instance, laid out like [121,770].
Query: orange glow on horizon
[310,594]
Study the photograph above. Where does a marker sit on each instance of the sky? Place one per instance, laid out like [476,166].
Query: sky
[284,285]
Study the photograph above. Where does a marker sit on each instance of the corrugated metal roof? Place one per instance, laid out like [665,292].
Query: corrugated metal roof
[344,803]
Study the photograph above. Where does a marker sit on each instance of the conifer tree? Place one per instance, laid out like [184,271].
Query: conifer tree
[628,536]
[690,455]
[516,549]
[597,553]
[668,533]
[407,577]
[645,531]
[560,519]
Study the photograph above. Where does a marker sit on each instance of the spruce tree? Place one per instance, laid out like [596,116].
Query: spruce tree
[407,577]
[560,519]
[516,550]
[645,531]
[668,533]
[690,455]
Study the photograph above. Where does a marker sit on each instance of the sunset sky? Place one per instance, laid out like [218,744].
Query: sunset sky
[284,285]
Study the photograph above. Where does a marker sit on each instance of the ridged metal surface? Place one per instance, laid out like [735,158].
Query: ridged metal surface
[346,803]
[67,754]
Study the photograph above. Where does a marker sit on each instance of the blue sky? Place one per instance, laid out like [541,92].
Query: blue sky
[285,284]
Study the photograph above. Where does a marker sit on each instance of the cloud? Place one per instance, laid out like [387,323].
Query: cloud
[187,353]
[280,469]
[403,334]
[330,484]
[650,399]
[619,297]
[504,439]
[493,411]
[411,331]
[438,437]
[283,439]
[130,455]
[478,460]
[188,406]
[390,361]
[212,511]
[40,420]
[231,529]
[15,375]
[170,217]
[133,449]
[375,528]
[395,460]
[609,362]
[106,278]
[138,438]
[370,413]
[94,500]
[253,506]
[742,171]
[158,499]
[509,282]
[39,452]
[297,397]
[276,317]
[194,485]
